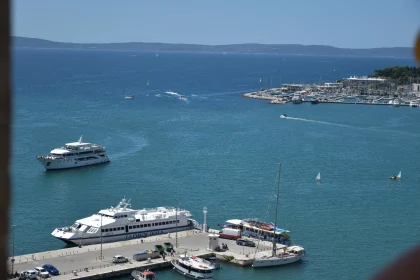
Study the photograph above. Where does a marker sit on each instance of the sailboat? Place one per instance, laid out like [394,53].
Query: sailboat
[288,255]
[396,177]
[318,177]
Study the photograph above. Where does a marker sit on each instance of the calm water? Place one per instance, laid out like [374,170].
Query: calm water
[218,150]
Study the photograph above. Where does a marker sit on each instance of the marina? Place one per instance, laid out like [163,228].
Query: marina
[353,90]
[93,261]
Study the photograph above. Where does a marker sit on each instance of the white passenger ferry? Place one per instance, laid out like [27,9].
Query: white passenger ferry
[122,223]
[74,154]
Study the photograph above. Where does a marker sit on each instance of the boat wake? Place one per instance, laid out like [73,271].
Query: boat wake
[315,121]
[173,93]
[353,127]
[179,96]
[134,145]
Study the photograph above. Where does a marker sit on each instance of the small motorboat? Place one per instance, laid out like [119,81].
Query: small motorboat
[284,116]
[129,97]
[143,275]
[314,101]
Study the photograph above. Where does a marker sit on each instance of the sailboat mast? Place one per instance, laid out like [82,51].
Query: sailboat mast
[277,207]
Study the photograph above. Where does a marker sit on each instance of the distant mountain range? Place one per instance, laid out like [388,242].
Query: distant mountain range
[291,49]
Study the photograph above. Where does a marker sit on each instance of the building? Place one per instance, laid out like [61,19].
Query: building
[416,87]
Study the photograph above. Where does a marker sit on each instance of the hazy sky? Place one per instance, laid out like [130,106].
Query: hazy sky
[351,23]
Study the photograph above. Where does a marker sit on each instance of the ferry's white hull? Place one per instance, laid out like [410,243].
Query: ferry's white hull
[275,261]
[65,163]
[69,238]
[191,274]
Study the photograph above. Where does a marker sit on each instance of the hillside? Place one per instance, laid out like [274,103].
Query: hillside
[290,49]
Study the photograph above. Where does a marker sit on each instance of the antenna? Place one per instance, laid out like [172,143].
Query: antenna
[80,139]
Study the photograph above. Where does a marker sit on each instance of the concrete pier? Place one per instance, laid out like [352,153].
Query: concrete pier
[86,263]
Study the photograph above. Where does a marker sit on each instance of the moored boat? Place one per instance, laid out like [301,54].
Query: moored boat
[143,275]
[253,227]
[193,267]
[314,100]
[414,103]
[289,255]
[122,223]
[75,154]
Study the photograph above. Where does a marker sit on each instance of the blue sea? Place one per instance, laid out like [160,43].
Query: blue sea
[219,150]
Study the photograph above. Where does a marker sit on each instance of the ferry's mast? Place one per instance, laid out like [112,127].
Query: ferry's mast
[101,238]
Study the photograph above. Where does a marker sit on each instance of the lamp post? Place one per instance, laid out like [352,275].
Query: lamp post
[176,226]
[205,219]
[13,248]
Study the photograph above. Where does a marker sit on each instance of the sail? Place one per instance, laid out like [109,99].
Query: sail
[399,175]
[318,177]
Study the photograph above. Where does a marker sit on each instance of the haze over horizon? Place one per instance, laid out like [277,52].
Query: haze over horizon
[355,24]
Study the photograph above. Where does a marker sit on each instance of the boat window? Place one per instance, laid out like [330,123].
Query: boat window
[130,227]
[137,220]
[115,229]
[106,230]
[103,230]
[149,225]
[141,226]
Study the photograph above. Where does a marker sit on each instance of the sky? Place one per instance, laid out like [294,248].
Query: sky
[339,23]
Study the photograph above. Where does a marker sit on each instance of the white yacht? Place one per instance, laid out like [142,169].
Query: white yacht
[122,223]
[194,267]
[396,103]
[414,103]
[74,154]
[289,255]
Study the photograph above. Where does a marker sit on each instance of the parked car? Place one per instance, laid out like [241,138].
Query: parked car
[119,259]
[42,272]
[28,274]
[51,269]
[245,242]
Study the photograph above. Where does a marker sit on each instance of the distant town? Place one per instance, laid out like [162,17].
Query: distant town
[396,86]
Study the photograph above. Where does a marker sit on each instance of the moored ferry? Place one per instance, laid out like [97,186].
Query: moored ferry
[75,154]
[257,229]
[122,223]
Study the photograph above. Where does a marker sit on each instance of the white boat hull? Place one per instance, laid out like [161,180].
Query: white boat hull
[191,274]
[64,163]
[275,261]
[72,239]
